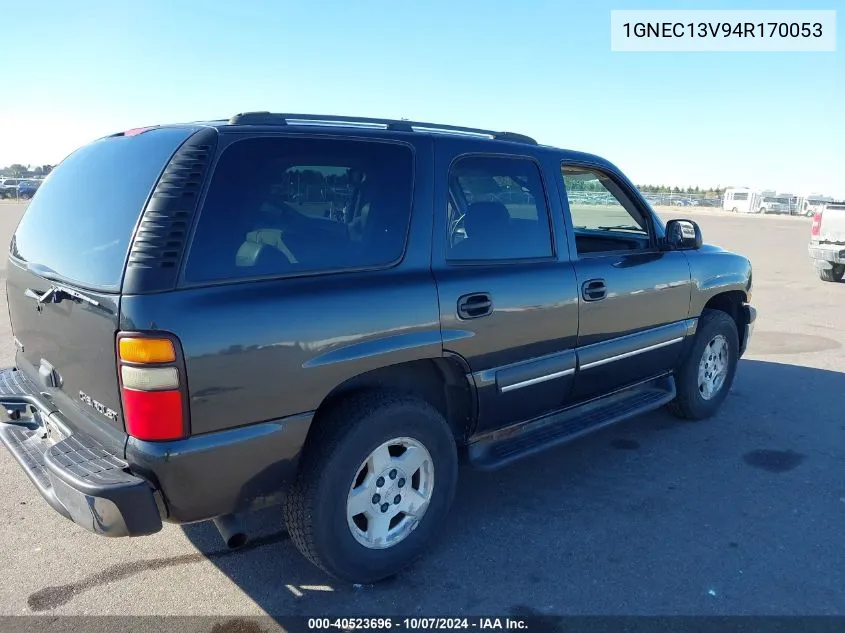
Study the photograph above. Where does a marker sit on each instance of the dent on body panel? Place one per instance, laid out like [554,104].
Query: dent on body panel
[376,345]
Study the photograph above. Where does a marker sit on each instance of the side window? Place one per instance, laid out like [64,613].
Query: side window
[285,206]
[497,210]
[604,218]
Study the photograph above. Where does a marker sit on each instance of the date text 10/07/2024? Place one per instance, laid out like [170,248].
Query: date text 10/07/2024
[723,29]
[416,623]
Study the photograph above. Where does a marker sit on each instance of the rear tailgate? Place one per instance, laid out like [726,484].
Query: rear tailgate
[832,226]
[66,267]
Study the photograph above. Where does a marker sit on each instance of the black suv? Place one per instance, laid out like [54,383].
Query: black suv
[326,312]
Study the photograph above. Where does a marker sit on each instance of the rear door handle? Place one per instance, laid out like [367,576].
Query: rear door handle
[475,305]
[594,290]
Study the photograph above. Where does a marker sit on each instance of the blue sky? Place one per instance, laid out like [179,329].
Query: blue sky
[539,67]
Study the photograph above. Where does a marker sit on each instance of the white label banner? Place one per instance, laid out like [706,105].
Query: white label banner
[722,30]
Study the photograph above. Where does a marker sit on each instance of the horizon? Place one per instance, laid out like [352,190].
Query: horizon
[764,120]
[685,189]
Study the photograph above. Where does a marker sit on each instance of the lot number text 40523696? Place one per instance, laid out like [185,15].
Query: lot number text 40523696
[417,623]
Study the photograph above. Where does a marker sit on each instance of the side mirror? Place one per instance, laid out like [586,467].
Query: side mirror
[683,235]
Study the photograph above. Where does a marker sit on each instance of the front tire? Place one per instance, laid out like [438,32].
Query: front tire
[706,375]
[832,274]
[376,481]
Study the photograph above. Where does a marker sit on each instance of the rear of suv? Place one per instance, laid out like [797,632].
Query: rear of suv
[325,313]
[827,241]
[168,368]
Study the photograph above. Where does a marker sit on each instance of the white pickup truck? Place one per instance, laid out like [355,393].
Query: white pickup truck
[827,241]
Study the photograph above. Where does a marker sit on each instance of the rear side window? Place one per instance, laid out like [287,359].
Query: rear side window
[81,220]
[497,210]
[288,206]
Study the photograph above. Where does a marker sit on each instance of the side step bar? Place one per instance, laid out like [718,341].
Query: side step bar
[504,446]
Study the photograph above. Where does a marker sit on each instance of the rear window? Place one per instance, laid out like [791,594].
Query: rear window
[80,222]
[289,206]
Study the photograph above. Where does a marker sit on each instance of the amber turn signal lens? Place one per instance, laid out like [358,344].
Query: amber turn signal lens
[147,350]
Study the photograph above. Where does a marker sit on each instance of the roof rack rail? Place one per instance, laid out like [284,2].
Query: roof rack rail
[402,125]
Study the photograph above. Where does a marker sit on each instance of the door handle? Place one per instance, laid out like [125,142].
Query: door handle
[475,305]
[594,290]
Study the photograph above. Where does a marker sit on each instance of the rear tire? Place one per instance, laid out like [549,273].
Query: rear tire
[832,274]
[347,452]
[711,361]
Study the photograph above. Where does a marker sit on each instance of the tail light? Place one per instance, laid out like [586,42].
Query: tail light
[153,389]
[815,229]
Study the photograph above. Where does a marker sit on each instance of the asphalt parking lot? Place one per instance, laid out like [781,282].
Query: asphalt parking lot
[741,514]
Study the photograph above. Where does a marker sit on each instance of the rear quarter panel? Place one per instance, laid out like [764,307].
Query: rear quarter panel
[267,349]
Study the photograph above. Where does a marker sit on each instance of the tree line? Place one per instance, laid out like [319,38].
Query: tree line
[595,185]
[714,192]
[309,176]
[17,170]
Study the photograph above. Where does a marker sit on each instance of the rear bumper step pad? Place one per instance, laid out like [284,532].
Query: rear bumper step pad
[76,475]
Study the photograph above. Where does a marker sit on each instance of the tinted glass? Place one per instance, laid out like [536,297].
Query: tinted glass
[497,210]
[81,219]
[287,206]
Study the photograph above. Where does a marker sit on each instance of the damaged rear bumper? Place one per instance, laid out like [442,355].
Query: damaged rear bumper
[76,474]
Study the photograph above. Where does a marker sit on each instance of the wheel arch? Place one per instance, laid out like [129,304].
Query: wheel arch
[730,302]
[443,382]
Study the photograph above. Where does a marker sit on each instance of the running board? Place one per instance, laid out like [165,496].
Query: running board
[504,446]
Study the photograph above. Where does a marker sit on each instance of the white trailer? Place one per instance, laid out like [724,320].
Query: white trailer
[742,200]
